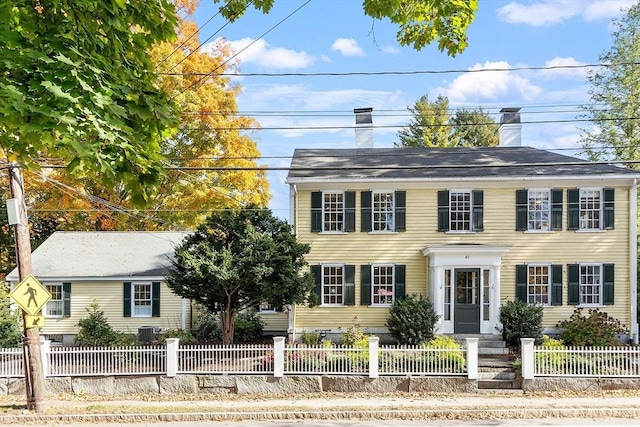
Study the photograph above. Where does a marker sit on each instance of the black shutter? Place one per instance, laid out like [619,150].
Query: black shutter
[365,211]
[126,302]
[316,211]
[556,210]
[155,299]
[400,279]
[608,289]
[349,285]
[443,210]
[316,270]
[556,284]
[522,202]
[66,299]
[478,210]
[573,295]
[401,210]
[573,209]
[349,211]
[521,283]
[365,284]
[609,208]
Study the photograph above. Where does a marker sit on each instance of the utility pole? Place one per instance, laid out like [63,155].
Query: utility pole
[33,373]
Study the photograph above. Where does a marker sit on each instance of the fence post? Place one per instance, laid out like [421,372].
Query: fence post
[278,357]
[528,358]
[172,356]
[45,349]
[472,358]
[374,343]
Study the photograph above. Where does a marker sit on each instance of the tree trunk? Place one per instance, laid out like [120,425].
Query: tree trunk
[227,317]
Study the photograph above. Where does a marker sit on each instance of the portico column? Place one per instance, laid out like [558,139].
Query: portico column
[494,307]
[436,291]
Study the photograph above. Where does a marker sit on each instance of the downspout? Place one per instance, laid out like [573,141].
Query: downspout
[633,258]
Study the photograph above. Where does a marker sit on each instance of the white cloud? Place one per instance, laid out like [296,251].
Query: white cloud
[549,12]
[566,68]
[260,53]
[539,14]
[605,9]
[488,86]
[389,49]
[347,47]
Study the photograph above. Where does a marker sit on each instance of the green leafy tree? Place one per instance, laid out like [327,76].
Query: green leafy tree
[614,103]
[520,320]
[420,22]
[432,125]
[10,330]
[77,84]
[412,320]
[238,259]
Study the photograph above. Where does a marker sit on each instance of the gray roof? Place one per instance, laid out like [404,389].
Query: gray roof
[103,255]
[442,163]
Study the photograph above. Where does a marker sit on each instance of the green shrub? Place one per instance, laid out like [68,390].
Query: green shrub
[95,330]
[248,327]
[208,330]
[122,339]
[595,328]
[412,320]
[354,336]
[451,358]
[10,328]
[310,338]
[520,320]
[183,335]
[551,362]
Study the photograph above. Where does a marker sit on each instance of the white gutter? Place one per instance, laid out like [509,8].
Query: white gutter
[633,258]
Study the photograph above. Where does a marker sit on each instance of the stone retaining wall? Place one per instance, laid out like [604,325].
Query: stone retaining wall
[257,384]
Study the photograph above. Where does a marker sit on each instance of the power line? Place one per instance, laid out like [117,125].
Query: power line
[206,75]
[402,73]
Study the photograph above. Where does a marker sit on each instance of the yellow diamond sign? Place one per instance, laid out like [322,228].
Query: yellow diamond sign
[30,295]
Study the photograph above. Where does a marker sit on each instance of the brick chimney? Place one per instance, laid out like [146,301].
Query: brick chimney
[510,131]
[364,127]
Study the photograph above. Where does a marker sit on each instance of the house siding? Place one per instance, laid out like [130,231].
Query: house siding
[109,296]
[557,247]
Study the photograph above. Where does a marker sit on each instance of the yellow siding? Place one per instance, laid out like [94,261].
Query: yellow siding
[275,322]
[109,296]
[559,247]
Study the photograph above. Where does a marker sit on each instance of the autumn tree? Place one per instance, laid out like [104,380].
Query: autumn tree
[211,158]
[238,259]
[420,22]
[432,125]
[614,132]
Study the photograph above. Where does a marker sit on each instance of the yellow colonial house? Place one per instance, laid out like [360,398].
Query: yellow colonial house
[469,228]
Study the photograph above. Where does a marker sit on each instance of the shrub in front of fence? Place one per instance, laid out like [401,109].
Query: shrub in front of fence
[445,356]
[441,355]
[552,356]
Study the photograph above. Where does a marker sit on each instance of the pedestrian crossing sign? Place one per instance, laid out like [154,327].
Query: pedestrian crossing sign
[30,295]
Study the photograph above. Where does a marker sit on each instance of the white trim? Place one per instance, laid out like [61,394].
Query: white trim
[161,279]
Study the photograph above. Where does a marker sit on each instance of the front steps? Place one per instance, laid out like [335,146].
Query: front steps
[496,373]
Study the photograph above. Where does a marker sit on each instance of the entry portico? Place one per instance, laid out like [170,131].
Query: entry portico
[464,286]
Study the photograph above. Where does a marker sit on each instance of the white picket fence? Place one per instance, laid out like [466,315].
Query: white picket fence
[592,362]
[278,360]
[281,359]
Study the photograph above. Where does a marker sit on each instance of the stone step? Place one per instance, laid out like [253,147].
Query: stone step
[493,351]
[496,375]
[498,384]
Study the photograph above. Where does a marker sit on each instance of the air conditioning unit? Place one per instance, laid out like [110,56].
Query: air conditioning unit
[147,334]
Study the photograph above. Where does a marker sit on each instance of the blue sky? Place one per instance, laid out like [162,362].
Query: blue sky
[334,36]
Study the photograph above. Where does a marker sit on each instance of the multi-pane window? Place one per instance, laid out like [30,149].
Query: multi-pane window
[460,210]
[383,211]
[141,299]
[333,284]
[55,306]
[538,284]
[265,307]
[333,211]
[382,284]
[539,210]
[590,284]
[590,209]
